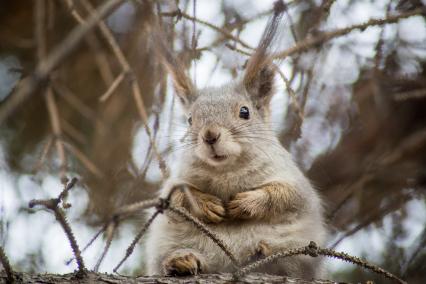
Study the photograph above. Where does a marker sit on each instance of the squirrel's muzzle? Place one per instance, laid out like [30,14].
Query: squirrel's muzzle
[210,137]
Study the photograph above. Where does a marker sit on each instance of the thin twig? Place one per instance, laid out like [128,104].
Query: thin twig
[60,216]
[313,250]
[136,91]
[85,161]
[46,149]
[6,265]
[140,234]
[291,93]
[112,227]
[130,209]
[315,41]
[57,131]
[74,12]
[414,94]
[30,84]
[203,228]
[113,87]
[179,13]
[41,39]
[322,15]
[100,58]
[73,100]
[90,242]
[52,204]
[73,132]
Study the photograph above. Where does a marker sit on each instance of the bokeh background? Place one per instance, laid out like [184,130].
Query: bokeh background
[351,110]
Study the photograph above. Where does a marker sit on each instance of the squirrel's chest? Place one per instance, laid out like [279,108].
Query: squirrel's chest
[227,184]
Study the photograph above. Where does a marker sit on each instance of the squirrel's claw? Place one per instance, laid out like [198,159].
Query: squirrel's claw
[247,205]
[182,265]
[213,210]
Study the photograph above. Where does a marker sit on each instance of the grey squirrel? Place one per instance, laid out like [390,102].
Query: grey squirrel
[244,184]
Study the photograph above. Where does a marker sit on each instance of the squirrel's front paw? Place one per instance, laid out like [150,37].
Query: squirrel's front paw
[206,207]
[247,205]
[261,250]
[182,265]
[212,208]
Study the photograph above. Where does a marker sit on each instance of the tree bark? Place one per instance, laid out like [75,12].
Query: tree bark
[92,277]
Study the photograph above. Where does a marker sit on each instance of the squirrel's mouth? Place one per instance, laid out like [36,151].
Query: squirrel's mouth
[219,158]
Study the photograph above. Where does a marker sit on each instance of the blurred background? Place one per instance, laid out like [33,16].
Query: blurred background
[351,110]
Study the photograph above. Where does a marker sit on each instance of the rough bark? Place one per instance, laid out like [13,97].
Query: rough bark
[117,279]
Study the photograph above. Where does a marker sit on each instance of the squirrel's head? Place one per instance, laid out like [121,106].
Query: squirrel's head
[225,123]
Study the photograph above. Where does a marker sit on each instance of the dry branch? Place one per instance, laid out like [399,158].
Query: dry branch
[31,83]
[179,14]
[314,251]
[118,279]
[53,204]
[311,42]
[136,90]
[6,265]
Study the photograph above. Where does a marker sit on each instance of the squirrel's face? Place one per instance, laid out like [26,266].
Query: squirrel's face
[223,124]
[224,120]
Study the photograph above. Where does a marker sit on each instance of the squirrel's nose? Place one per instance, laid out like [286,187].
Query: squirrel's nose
[211,137]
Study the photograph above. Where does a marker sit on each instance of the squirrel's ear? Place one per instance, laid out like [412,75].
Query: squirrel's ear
[181,82]
[260,85]
[259,76]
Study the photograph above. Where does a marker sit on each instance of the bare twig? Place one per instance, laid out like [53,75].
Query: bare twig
[112,227]
[57,131]
[74,12]
[73,132]
[322,15]
[313,250]
[415,94]
[179,13]
[41,39]
[85,161]
[132,208]
[315,41]
[113,87]
[31,83]
[136,91]
[371,218]
[140,234]
[203,228]
[52,204]
[90,241]
[161,205]
[74,101]
[46,149]
[6,265]
[291,93]
[60,216]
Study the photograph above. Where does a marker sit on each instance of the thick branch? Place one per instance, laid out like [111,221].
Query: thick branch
[203,278]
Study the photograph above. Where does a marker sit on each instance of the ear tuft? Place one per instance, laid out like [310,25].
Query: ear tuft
[261,87]
[259,76]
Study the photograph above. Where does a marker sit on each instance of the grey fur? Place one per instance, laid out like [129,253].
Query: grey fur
[255,157]
[245,156]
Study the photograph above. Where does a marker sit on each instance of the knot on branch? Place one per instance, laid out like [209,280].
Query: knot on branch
[51,204]
[279,7]
[312,249]
[178,14]
[162,205]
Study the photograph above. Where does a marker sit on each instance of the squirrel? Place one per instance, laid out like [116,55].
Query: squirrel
[243,182]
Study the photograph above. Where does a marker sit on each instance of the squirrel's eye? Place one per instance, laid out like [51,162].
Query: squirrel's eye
[190,120]
[244,112]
